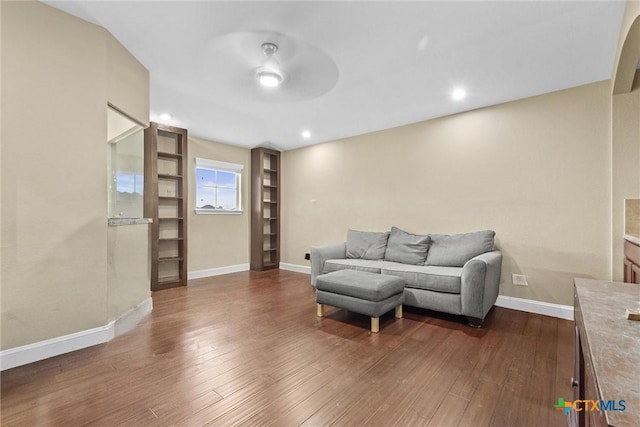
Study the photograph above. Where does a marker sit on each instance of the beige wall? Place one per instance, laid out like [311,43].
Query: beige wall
[1,186]
[54,236]
[537,171]
[127,82]
[625,129]
[218,240]
[626,168]
[128,268]
[54,193]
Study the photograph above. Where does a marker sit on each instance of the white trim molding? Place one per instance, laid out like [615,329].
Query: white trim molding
[216,164]
[217,271]
[41,350]
[295,267]
[29,353]
[205,211]
[129,320]
[538,307]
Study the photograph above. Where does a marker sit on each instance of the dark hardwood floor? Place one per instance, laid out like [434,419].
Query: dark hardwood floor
[247,349]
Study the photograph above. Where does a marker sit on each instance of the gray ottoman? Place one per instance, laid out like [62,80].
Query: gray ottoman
[365,293]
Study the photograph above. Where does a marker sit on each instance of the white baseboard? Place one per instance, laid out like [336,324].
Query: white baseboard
[29,353]
[41,350]
[538,307]
[129,320]
[217,271]
[295,267]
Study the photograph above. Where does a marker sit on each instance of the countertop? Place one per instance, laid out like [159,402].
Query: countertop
[113,222]
[614,343]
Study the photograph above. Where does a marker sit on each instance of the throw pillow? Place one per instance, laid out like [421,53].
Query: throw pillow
[406,248]
[366,244]
[456,250]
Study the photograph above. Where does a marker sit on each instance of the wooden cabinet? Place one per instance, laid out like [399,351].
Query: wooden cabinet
[265,209]
[165,201]
[584,386]
[631,262]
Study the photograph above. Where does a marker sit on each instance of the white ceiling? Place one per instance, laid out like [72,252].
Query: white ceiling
[353,67]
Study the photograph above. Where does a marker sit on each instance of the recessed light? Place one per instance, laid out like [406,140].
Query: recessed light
[458,94]
[165,116]
[306,134]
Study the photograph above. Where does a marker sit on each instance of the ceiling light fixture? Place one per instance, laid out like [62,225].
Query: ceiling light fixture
[458,94]
[269,78]
[270,74]
[165,116]
[306,134]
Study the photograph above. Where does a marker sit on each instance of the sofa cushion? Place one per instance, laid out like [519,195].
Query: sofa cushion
[456,250]
[432,278]
[369,265]
[406,248]
[366,244]
[360,284]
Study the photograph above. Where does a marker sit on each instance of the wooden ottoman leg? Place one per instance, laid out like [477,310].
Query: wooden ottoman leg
[399,312]
[319,310]
[375,324]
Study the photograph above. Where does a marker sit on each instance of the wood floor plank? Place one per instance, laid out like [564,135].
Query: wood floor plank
[447,364]
[247,349]
[373,388]
[564,366]
[482,405]
[449,412]
[544,367]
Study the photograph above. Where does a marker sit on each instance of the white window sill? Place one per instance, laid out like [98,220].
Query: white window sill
[216,212]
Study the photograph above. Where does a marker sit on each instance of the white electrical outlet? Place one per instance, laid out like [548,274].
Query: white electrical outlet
[519,279]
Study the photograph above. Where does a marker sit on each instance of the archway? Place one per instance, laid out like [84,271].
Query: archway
[628,61]
[625,138]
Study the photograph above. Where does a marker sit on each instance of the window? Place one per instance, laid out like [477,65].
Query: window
[217,187]
[126,166]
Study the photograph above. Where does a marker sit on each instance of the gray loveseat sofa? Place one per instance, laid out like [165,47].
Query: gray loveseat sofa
[457,274]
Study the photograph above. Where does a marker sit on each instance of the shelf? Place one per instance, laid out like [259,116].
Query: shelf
[265,209]
[169,279]
[169,155]
[166,193]
[170,259]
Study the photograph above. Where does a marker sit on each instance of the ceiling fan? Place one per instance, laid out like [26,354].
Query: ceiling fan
[266,67]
